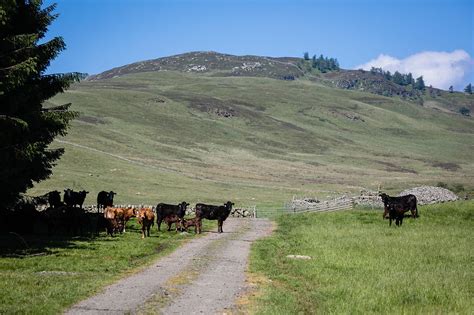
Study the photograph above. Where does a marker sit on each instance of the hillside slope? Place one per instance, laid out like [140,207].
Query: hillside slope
[176,135]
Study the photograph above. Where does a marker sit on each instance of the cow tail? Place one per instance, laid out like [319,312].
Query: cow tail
[416,209]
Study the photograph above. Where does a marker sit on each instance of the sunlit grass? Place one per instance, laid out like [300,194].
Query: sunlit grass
[361,265]
[153,137]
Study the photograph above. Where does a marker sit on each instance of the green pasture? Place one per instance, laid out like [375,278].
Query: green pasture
[42,274]
[360,265]
[155,137]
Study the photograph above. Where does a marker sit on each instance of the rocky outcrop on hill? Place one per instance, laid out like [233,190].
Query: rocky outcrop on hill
[429,194]
[212,62]
[370,82]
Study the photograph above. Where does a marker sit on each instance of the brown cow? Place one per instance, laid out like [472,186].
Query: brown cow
[173,218]
[114,218]
[128,213]
[191,222]
[146,218]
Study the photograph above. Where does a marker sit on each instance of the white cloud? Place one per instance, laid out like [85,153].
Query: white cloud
[438,68]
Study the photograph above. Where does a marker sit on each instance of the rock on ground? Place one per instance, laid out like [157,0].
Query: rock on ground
[430,194]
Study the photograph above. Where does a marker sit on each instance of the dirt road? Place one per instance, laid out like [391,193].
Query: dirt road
[206,276]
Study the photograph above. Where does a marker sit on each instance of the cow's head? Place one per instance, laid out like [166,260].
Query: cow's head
[141,214]
[229,204]
[384,197]
[83,193]
[182,207]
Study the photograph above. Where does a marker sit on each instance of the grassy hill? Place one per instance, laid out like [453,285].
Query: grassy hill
[169,134]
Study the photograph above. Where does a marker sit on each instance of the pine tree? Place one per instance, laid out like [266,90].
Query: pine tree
[306,56]
[397,78]
[468,89]
[419,83]
[451,89]
[26,127]
[409,79]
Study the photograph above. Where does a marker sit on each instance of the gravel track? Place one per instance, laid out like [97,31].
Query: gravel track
[205,275]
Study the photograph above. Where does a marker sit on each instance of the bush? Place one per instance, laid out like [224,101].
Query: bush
[465,111]
[442,185]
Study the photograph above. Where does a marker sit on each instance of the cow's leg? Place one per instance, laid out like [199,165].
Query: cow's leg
[198,225]
[169,226]
[219,226]
[158,223]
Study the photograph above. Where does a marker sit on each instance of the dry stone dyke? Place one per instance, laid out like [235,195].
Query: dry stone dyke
[370,198]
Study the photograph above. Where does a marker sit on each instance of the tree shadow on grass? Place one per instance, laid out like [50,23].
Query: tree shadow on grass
[36,236]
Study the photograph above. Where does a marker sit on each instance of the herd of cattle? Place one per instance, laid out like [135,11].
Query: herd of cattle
[114,219]
[68,216]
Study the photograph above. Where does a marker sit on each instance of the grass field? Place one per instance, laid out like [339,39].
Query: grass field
[45,275]
[156,137]
[361,265]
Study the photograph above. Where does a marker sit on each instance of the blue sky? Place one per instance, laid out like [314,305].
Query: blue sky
[102,34]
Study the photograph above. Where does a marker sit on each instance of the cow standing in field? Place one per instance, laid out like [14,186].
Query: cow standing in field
[73,198]
[146,218]
[114,219]
[54,199]
[105,199]
[210,212]
[127,215]
[395,207]
[163,210]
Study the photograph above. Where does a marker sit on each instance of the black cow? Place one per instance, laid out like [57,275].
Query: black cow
[105,199]
[396,212]
[163,210]
[395,207]
[210,212]
[54,199]
[73,198]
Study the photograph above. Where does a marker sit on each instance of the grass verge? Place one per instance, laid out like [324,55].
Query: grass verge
[361,265]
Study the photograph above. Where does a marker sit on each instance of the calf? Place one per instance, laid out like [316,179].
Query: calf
[105,199]
[146,218]
[399,204]
[396,212]
[210,212]
[163,210]
[73,198]
[173,218]
[190,222]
